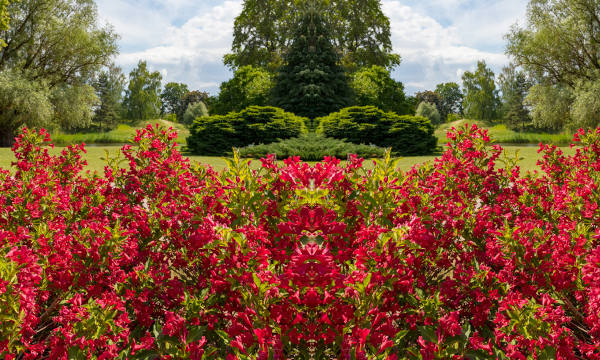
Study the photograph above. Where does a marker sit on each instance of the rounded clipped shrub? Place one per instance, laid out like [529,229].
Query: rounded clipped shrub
[406,135]
[217,135]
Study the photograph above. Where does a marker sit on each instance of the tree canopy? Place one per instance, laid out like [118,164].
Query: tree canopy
[312,83]
[375,86]
[561,41]
[249,86]
[142,97]
[55,48]
[450,99]
[58,41]
[264,32]
[560,49]
[480,95]
[4,18]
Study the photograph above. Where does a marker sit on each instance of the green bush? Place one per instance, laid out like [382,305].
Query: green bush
[312,147]
[217,135]
[406,135]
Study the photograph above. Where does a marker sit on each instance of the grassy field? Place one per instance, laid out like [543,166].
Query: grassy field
[502,135]
[95,154]
[120,135]
[106,142]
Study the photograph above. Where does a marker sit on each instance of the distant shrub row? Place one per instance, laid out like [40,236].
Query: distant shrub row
[218,134]
[406,135]
[312,147]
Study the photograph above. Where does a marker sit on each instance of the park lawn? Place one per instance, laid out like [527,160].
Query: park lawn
[122,134]
[503,135]
[96,154]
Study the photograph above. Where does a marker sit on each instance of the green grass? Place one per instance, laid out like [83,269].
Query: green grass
[123,133]
[528,158]
[503,135]
[120,135]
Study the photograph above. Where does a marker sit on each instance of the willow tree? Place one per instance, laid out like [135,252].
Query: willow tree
[4,18]
[264,31]
[559,47]
[57,46]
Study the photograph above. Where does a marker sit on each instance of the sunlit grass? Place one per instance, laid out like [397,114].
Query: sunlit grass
[120,135]
[528,157]
[503,135]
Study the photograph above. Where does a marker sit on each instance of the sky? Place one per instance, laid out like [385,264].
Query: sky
[437,39]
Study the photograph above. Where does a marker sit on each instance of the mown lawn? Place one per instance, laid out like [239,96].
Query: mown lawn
[123,133]
[96,154]
[503,135]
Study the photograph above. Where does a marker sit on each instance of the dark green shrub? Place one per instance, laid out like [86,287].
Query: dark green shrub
[406,135]
[311,147]
[217,135]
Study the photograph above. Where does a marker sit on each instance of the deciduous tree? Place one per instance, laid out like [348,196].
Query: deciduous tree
[59,46]
[4,18]
[481,99]
[450,99]
[142,98]
[559,47]
[374,86]
[173,99]
[249,86]
[264,31]
[22,102]
[430,112]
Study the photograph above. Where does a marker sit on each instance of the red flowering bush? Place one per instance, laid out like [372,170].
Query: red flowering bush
[461,258]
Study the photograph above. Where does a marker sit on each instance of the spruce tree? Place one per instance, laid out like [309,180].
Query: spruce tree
[312,82]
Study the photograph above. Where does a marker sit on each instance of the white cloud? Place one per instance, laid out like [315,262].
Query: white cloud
[433,53]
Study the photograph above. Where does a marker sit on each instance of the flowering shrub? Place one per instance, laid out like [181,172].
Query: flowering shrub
[461,258]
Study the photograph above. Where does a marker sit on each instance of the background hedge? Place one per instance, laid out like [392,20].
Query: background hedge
[216,135]
[406,135]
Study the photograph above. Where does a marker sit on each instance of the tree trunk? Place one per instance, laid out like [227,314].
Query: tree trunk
[7,137]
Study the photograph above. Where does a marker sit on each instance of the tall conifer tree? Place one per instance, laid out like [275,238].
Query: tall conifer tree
[312,82]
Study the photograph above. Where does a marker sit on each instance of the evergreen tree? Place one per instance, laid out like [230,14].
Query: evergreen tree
[312,82]
[109,86]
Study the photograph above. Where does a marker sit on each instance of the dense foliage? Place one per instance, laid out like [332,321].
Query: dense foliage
[375,86]
[56,47]
[142,97]
[461,258]
[218,134]
[172,99]
[481,100]
[109,86]
[558,46]
[264,31]
[250,86]
[429,111]
[194,111]
[312,83]
[451,98]
[312,147]
[406,135]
